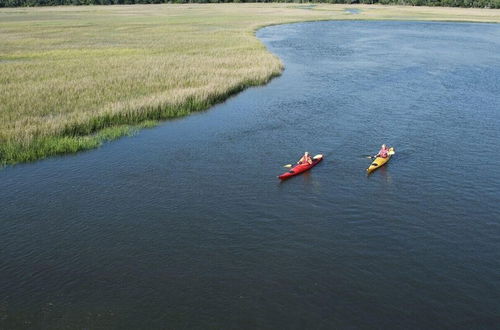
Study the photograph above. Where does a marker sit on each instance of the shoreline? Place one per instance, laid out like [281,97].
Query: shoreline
[62,132]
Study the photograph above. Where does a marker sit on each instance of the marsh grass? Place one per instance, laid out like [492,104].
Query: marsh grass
[74,77]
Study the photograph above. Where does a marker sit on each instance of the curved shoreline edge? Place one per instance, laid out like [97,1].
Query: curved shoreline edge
[89,134]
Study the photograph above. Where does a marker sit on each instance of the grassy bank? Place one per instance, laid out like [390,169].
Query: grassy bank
[73,77]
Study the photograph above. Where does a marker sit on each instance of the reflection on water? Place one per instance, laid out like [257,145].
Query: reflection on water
[384,173]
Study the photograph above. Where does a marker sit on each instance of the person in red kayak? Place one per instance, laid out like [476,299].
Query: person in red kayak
[306,159]
[384,152]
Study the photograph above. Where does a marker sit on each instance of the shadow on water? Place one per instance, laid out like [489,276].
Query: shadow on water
[383,172]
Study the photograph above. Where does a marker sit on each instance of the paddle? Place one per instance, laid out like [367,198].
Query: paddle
[315,157]
[390,153]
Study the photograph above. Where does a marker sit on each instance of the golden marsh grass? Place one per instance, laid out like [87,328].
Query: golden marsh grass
[72,77]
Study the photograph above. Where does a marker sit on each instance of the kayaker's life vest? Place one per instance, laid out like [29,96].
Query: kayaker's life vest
[305,160]
[383,153]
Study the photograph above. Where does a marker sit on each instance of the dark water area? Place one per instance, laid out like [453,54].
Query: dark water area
[186,225]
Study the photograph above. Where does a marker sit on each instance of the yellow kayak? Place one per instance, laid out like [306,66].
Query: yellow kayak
[379,161]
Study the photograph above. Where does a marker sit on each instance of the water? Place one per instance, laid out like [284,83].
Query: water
[187,226]
[353,11]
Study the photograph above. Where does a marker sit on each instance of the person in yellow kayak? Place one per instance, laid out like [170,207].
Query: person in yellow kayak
[384,152]
[306,159]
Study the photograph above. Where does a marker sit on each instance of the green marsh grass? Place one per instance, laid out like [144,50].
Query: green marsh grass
[74,77]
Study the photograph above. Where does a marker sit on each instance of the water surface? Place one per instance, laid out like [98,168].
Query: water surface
[186,225]
[353,11]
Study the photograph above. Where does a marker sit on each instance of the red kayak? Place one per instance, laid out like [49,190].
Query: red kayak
[300,168]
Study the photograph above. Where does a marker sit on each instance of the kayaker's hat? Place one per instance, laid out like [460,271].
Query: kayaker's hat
[383,146]
[307,153]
